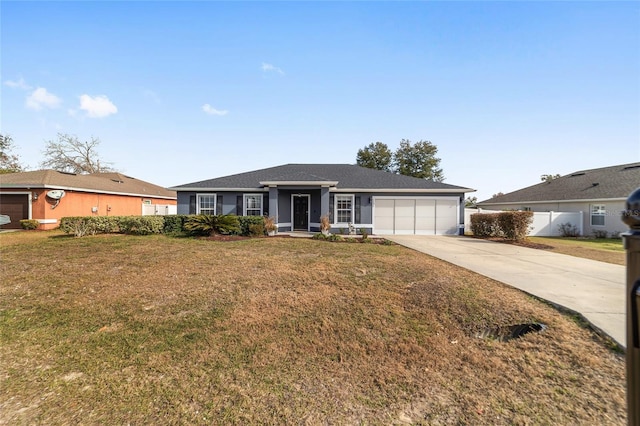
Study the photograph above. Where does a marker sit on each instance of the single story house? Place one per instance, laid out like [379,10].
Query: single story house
[600,195]
[49,195]
[297,195]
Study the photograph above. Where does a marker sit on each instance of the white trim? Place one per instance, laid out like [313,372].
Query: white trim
[29,195]
[586,200]
[352,209]
[404,191]
[308,211]
[215,201]
[47,221]
[244,203]
[95,191]
[602,215]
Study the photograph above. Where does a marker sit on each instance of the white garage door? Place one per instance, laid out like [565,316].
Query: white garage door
[415,215]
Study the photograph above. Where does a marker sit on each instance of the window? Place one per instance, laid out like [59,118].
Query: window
[344,209]
[597,215]
[206,204]
[253,204]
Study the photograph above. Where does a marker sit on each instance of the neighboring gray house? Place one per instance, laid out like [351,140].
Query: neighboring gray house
[600,195]
[297,195]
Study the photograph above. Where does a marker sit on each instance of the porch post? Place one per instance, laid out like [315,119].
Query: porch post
[631,239]
[324,200]
[273,202]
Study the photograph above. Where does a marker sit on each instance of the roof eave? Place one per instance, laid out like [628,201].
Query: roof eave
[576,200]
[97,191]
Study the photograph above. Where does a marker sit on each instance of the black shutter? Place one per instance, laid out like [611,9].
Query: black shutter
[192,204]
[265,205]
[357,211]
[239,205]
[331,201]
[218,204]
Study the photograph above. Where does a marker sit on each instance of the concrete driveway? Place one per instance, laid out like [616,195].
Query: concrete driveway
[594,289]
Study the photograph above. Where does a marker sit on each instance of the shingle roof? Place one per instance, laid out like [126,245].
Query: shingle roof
[594,184]
[347,176]
[114,183]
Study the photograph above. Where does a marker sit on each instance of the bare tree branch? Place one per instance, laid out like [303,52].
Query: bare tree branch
[68,154]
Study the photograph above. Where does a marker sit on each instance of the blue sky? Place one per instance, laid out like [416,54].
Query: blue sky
[185,91]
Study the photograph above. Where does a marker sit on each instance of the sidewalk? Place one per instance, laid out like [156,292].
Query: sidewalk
[594,289]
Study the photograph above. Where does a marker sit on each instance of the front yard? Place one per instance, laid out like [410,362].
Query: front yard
[608,250]
[129,330]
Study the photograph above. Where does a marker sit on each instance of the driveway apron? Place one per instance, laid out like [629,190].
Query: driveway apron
[594,289]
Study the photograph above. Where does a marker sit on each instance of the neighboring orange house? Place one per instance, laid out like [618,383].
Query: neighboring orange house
[49,195]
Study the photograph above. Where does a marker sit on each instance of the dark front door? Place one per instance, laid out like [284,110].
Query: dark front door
[300,213]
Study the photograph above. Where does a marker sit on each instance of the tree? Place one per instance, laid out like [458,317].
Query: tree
[548,178]
[418,160]
[470,202]
[375,156]
[9,162]
[497,195]
[68,154]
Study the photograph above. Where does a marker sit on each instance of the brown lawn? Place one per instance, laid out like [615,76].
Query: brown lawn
[155,330]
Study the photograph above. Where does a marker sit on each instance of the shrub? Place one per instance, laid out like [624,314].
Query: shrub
[244,223]
[483,224]
[270,224]
[325,223]
[600,233]
[174,224]
[568,230]
[78,226]
[29,224]
[515,225]
[256,230]
[207,225]
[334,237]
[141,225]
[364,233]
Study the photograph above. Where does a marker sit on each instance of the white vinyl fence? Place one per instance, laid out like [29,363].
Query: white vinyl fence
[158,209]
[545,224]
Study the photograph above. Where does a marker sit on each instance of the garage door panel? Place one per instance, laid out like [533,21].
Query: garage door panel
[425,217]
[384,216]
[405,211]
[446,217]
[16,206]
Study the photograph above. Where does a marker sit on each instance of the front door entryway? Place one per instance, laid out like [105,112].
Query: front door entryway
[301,212]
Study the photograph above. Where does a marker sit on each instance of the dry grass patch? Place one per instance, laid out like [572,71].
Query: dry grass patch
[608,250]
[121,329]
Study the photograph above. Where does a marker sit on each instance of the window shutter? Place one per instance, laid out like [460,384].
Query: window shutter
[218,204]
[192,204]
[239,205]
[331,201]
[265,205]
[356,219]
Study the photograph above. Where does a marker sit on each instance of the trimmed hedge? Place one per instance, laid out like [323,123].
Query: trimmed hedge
[512,225]
[29,224]
[145,225]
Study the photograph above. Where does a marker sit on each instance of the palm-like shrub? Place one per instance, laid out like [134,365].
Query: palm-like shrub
[204,224]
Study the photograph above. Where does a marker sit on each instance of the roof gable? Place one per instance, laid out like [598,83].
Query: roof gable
[614,182]
[115,183]
[342,176]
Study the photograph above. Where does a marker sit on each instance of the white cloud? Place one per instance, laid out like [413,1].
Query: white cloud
[20,84]
[271,68]
[97,106]
[212,111]
[40,98]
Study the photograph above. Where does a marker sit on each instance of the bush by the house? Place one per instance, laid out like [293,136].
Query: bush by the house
[483,224]
[29,224]
[174,224]
[568,230]
[207,225]
[141,225]
[600,233]
[256,230]
[513,225]
[245,223]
